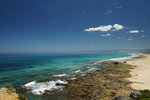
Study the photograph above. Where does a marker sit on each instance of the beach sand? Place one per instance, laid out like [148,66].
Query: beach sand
[140,74]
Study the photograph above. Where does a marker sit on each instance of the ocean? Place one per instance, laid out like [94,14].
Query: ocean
[26,69]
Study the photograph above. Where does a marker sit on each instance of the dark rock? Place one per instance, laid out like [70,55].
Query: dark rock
[45,80]
[47,92]
[23,90]
[135,94]
[60,84]
[116,63]
[122,98]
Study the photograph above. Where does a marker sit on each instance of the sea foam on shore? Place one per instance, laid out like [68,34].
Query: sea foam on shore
[39,88]
[124,58]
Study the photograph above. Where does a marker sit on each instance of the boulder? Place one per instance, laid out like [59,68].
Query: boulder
[135,94]
[122,98]
[116,63]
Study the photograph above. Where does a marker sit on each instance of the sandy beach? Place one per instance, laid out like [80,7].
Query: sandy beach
[140,74]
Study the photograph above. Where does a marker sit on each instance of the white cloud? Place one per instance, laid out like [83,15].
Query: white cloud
[118,7]
[115,27]
[133,31]
[130,39]
[118,27]
[100,28]
[108,12]
[106,35]
[142,30]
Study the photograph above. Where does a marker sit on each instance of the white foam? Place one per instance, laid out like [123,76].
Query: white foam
[91,69]
[39,88]
[120,59]
[60,75]
[73,78]
[77,71]
[124,58]
[30,83]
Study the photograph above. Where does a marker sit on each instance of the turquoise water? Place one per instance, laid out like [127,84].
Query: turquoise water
[20,69]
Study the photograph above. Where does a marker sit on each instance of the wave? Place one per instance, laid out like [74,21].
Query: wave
[77,71]
[124,58]
[60,75]
[90,69]
[39,88]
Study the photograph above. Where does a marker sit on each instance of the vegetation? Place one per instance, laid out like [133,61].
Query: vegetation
[22,97]
[145,95]
[9,87]
[101,84]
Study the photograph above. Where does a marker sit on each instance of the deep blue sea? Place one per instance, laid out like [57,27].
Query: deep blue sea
[26,69]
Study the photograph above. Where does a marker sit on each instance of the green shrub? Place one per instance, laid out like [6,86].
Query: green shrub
[9,87]
[145,95]
[146,99]
[22,97]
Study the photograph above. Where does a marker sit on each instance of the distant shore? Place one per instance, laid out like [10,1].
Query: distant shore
[140,74]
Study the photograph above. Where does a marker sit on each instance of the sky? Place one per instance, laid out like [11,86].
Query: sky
[29,26]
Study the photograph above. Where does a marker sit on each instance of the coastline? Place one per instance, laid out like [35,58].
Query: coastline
[113,78]
[140,74]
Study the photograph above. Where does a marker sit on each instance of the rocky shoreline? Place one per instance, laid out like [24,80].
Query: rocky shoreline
[109,82]
[106,83]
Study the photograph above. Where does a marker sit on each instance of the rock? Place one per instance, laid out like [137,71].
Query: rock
[60,84]
[135,94]
[49,93]
[45,80]
[122,98]
[6,94]
[116,63]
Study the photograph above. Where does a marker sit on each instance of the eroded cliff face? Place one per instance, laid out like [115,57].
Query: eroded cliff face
[6,94]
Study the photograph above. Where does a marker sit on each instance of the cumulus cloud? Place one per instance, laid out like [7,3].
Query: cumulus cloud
[115,27]
[133,31]
[100,28]
[106,35]
[118,27]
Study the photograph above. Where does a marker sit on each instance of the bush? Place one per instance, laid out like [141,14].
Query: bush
[145,95]
[22,97]
[9,87]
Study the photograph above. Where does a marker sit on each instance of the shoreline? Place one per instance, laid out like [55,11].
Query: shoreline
[111,79]
[140,74]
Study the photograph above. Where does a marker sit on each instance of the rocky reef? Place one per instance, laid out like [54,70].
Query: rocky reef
[104,84]
[109,82]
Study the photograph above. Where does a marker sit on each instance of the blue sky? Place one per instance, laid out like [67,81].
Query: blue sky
[73,25]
